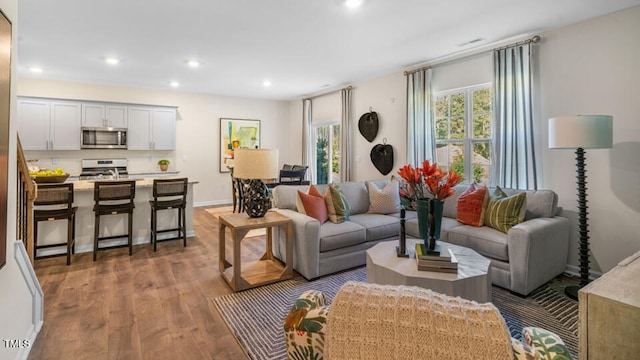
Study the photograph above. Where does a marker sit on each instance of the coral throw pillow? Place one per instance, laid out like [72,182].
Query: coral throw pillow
[503,212]
[312,204]
[471,205]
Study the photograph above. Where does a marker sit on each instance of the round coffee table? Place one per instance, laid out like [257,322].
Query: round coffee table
[472,282]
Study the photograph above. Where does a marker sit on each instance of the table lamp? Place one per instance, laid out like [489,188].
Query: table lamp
[581,132]
[254,165]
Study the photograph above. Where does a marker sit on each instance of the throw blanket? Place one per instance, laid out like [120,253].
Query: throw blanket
[401,322]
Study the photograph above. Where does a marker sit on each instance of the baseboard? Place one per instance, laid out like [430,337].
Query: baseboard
[37,296]
[575,271]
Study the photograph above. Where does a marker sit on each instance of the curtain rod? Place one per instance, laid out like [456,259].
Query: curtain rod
[534,39]
[327,93]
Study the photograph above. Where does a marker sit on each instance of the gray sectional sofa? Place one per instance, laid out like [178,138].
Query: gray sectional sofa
[530,254]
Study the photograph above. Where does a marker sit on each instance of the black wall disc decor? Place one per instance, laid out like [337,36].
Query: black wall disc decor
[382,157]
[368,125]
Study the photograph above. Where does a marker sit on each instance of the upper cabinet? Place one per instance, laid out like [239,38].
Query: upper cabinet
[49,124]
[151,128]
[104,115]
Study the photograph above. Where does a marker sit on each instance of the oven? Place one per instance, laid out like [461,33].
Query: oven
[96,169]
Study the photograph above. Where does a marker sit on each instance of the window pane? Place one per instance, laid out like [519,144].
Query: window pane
[335,153]
[450,155]
[482,126]
[442,129]
[322,154]
[457,104]
[482,101]
[442,106]
[481,162]
[457,128]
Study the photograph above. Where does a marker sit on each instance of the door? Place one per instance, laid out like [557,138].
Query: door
[93,115]
[139,134]
[33,124]
[163,129]
[64,133]
[116,116]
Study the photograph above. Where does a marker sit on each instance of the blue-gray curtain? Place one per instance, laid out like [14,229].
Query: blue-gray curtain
[514,158]
[345,136]
[308,154]
[421,142]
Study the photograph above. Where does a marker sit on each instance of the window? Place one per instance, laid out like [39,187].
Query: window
[327,152]
[464,120]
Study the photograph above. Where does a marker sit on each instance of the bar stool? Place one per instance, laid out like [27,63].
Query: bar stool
[55,202]
[169,194]
[113,198]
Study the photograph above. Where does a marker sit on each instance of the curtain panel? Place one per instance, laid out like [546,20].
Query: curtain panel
[308,154]
[420,121]
[514,159]
[345,138]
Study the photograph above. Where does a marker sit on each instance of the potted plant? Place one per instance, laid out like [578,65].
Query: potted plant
[164,164]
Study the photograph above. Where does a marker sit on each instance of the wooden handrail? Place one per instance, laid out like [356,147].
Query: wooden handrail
[27,192]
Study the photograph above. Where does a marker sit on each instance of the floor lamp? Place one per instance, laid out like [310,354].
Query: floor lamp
[581,132]
[255,165]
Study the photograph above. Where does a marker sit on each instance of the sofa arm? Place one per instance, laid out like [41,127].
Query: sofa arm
[306,243]
[538,250]
[304,326]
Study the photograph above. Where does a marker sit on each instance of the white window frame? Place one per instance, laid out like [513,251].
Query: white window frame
[468,141]
[314,127]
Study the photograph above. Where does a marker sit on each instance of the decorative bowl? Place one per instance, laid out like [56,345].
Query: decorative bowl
[50,179]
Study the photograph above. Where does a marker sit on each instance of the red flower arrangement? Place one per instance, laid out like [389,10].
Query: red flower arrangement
[427,179]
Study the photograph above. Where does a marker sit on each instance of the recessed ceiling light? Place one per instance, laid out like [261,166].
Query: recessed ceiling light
[112,61]
[35,70]
[353,4]
[174,84]
[193,63]
[266,83]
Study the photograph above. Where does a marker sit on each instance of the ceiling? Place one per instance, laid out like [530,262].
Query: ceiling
[302,47]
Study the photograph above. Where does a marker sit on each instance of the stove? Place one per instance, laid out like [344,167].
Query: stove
[104,169]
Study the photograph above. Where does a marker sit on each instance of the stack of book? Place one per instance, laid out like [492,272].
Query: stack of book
[440,260]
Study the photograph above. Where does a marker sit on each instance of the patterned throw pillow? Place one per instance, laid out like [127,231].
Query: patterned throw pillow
[385,201]
[337,205]
[312,204]
[503,212]
[548,344]
[471,205]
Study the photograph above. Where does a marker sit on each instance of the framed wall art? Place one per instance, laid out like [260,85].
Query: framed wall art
[234,134]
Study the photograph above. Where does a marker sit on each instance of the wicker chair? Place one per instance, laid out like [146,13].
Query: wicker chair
[169,194]
[113,198]
[55,202]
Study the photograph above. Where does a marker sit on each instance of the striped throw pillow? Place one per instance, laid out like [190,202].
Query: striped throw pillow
[503,212]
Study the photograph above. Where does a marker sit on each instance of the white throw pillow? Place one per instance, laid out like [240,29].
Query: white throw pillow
[385,201]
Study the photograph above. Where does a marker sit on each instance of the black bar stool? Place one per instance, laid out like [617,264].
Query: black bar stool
[169,194]
[55,202]
[113,198]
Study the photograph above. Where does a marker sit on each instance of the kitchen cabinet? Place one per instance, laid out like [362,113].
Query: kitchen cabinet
[151,128]
[104,115]
[49,124]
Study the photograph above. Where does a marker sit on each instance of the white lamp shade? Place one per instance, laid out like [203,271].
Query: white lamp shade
[581,131]
[255,163]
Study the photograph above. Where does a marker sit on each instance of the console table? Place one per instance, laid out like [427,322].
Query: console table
[267,269]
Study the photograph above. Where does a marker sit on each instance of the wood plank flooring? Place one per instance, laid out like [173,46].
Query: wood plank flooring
[147,306]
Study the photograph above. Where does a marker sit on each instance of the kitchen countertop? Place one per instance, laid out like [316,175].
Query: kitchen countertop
[85,185]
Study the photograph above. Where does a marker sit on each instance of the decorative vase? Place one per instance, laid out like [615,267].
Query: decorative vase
[429,220]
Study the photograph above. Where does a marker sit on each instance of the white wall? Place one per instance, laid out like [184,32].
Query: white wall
[592,68]
[198,131]
[15,298]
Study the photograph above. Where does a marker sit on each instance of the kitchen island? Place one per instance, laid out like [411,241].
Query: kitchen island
[50,232]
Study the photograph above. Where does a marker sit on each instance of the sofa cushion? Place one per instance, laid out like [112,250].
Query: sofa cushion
[284,196]
[485,240]
[503,212]
[378,227]
[337,205]
[313,204]
[337,236]
[385,200]
[451,203]
[471,205]
[540,203]
[357,196]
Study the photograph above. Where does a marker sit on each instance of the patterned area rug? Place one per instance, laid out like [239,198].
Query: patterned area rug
[255,316]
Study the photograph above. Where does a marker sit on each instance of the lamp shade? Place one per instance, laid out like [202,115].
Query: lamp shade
[255,163]
[581,131]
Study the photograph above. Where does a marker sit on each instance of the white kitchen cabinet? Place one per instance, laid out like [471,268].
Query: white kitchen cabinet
[49,124]
[104,115]
[151,128]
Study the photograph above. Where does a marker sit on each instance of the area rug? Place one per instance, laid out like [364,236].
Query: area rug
[255,316]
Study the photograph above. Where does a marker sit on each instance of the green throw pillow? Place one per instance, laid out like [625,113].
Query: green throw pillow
[337,204]
[503,212]
[548,344]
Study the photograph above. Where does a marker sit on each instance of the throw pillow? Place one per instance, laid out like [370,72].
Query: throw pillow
[503,212]
[471,205]
[337,205]
[312,191]
[313,204]
[548,344]
[385,201]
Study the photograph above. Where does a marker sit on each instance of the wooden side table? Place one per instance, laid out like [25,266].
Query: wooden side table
[267,269]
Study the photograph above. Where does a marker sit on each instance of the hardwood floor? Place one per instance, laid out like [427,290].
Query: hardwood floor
[147,306]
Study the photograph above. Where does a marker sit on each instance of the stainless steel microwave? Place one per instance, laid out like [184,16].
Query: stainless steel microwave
[104,138]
